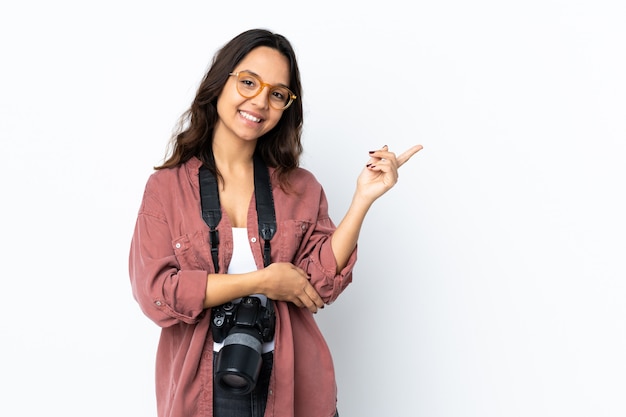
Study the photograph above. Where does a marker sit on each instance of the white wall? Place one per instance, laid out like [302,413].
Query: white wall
[491,279]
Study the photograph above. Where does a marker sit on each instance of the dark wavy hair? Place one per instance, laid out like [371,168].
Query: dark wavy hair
[280,148]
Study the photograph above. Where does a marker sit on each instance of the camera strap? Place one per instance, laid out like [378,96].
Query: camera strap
[212,212]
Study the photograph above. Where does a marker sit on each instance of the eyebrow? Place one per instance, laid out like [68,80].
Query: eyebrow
[261,78]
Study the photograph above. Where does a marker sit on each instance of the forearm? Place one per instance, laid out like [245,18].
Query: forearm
[222,288]
[281,281]
[344,239]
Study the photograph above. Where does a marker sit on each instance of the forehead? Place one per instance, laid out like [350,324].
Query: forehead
[268,63]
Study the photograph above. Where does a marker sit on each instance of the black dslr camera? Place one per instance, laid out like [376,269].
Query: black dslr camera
[243,327]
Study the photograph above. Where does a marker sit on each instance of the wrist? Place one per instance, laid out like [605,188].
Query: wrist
[256,281]
[361,202]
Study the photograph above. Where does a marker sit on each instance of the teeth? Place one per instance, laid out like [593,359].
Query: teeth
[250,117]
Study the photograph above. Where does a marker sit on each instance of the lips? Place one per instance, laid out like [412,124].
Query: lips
[250,117]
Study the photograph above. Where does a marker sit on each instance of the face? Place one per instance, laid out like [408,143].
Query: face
[250,118]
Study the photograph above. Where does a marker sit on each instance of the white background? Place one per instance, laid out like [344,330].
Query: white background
[491,280]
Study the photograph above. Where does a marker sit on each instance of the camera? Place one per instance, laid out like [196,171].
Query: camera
[243,328]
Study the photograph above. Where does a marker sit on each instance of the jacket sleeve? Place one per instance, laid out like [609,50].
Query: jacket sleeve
[316,256]
[165,293]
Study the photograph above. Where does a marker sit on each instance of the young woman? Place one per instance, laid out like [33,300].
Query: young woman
[248,108]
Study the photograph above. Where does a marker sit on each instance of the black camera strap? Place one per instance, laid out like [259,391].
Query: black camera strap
[212,213]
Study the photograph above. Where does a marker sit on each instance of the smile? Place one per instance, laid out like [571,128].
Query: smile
[249,117]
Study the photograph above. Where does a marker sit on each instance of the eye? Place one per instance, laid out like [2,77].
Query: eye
[248,82]
[280,95]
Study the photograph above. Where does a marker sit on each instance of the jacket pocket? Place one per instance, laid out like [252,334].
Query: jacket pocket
[291,233]
[192,251]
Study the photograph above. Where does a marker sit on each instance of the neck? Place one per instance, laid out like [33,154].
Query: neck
[231,154]
[235,164]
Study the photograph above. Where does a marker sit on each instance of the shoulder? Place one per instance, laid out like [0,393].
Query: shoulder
[301,178]
[169,189]
[303,193]
[303,199]
[168,178]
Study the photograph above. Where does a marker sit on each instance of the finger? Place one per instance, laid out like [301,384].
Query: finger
[313,303]
[306,302]
[383,159]
[312,308]
[317,299]
[381,156]
[379,153]
[406,155]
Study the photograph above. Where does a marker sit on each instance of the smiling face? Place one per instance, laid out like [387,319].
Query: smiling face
[247,119]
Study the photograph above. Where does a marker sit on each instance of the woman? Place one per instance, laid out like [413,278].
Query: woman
[249,103]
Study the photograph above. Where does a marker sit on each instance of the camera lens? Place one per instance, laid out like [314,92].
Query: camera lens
[234,381]
[239,361]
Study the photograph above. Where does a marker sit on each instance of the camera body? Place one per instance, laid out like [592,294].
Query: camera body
[248,314]
[243,328]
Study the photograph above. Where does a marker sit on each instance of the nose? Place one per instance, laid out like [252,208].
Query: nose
[262,99]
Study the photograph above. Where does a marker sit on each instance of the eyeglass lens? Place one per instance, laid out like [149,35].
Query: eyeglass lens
[250,86]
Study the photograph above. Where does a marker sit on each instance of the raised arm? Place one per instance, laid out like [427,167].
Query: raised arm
[379,176]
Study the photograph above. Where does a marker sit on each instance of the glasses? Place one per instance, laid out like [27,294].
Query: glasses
[250,85]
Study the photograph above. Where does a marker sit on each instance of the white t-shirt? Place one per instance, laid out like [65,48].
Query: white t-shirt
[242,262]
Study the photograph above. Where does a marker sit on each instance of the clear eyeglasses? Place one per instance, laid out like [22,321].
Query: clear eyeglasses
[250,85]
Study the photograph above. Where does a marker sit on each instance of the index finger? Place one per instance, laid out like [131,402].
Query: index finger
[406,155]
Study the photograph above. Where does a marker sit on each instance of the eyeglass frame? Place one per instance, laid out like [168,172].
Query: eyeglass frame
[263,84]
